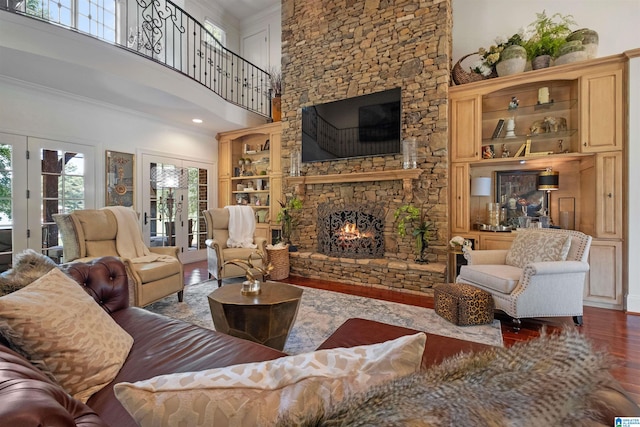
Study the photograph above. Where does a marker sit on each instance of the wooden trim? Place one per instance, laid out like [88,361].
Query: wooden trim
[406,175]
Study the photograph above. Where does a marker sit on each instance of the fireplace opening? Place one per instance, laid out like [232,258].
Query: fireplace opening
[353,231]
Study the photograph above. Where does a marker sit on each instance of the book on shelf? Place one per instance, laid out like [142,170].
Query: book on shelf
[498,130]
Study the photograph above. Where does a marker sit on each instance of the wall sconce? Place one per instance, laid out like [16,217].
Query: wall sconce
[548,181]
[480,187]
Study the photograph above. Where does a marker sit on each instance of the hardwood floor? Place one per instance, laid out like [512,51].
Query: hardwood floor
[613,330]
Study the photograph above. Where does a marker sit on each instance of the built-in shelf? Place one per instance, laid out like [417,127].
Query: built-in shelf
[404,175]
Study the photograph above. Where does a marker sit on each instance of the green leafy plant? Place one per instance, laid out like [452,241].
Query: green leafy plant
[285,217]
[422,227]
[548,33]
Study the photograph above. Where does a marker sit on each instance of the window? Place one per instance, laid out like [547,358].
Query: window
[95,17]
[217,32]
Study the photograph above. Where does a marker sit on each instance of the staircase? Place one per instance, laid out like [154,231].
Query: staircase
[162,32]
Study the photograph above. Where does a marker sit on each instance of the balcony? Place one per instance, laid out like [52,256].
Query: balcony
[135,69]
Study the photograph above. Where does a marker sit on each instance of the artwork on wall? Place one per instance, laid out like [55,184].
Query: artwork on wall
[517,192]
[120,169]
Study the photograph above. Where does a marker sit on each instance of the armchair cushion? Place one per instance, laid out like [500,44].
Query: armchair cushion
[501,278]
[531,246]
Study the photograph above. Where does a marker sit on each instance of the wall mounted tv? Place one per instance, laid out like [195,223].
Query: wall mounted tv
[367,125]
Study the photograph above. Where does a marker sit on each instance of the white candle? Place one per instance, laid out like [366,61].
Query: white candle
[543,95]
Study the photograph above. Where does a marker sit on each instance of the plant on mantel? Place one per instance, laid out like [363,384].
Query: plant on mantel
[419,221]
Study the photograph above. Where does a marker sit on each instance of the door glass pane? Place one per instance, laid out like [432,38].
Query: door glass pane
[6,222]
[198,190]
[63,191]
[167,202]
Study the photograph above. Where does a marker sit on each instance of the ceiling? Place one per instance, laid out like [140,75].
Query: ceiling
[243,9]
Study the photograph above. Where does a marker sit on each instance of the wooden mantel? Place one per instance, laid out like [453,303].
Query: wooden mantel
[406,175]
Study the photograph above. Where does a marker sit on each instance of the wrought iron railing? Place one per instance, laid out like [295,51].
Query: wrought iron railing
[163,32]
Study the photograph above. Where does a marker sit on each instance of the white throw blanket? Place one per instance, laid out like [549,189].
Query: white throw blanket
[242,226]
[129,242]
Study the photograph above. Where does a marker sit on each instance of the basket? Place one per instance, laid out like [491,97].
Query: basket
[279,259]
[461,77]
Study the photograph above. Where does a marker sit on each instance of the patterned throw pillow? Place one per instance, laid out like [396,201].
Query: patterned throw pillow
[63,326]
[256,394]
[29,266]
[538,246]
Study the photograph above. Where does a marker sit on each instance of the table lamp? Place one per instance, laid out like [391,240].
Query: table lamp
[548,180]
[480,187]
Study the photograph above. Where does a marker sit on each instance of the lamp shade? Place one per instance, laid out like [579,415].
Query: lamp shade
[548,180]
[481,186]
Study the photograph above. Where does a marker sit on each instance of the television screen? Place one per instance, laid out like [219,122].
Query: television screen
[367,125]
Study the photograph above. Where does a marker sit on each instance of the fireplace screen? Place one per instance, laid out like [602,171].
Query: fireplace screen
[353,231]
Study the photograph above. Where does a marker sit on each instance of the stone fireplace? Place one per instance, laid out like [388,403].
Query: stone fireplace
[351,231]
[384,45]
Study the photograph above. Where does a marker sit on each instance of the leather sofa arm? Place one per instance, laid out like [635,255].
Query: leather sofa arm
[105,279]
[487,256]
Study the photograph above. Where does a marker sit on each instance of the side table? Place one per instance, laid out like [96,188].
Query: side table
[279,259]
[266,318]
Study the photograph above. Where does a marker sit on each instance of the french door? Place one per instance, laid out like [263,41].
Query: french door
[178,191]
[38,178]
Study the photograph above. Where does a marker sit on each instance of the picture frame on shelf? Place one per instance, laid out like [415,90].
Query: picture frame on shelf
[119,179]
[517,192]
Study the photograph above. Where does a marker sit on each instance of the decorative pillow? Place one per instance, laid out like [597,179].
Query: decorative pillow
[63,326]
[256,394]
[29,266]
[538,246]
[69,236]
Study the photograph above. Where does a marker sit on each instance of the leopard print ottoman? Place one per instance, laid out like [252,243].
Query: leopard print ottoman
[463,304]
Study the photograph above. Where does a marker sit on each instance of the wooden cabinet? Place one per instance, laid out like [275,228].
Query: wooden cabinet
[603,287]
[465,128]
[459,204]
[608,200]
[249,172]
[601,98]
[493,240]
[579,131]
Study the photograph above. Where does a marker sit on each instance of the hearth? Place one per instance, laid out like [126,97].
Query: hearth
[351,231]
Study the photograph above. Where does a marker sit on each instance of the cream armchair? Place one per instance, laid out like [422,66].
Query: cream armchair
[90,233]
[541,275]
[218,252]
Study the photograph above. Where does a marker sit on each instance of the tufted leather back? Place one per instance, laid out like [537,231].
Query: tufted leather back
[105,279]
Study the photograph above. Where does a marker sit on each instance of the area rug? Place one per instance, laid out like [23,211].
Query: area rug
[322,312]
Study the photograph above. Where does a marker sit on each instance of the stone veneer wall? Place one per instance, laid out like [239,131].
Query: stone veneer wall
[335,49]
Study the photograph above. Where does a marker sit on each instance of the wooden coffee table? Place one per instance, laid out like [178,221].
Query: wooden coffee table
[266,318]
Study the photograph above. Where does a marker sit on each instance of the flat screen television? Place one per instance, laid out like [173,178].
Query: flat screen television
[366,125]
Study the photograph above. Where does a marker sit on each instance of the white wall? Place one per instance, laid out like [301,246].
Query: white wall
[43,113]
[633,197]
[476,23]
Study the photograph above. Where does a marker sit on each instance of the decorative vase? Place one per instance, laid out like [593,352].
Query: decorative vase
[589,39]
[541,61]
[513,59]
[276,108]
[421,247]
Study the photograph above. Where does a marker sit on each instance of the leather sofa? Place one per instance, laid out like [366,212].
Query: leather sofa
[163,345]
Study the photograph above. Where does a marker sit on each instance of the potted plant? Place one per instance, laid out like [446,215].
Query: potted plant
[422,227]
[286,219]
[548,34]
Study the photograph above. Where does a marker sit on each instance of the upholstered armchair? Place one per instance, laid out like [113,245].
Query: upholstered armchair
[154,273]
[218,252]
[541,275]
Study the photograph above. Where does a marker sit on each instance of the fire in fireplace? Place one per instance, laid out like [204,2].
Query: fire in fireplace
[353,231]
